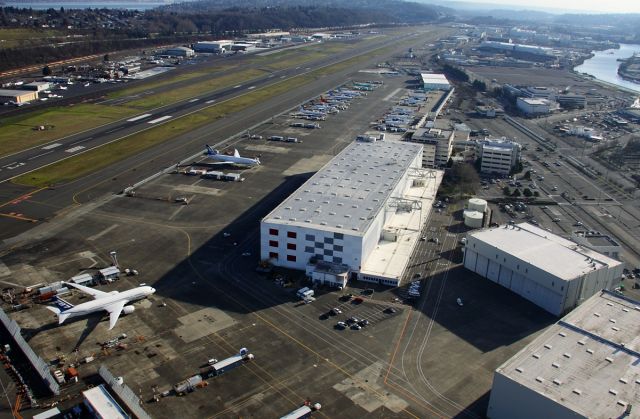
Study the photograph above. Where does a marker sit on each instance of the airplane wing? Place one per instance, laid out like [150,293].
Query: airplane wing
[114,312]
[91,291]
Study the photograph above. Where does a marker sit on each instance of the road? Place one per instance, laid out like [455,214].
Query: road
[34,158]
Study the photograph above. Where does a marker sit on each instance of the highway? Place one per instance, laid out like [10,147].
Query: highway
[34,158]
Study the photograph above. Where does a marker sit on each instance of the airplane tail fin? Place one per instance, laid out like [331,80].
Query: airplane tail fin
[258,160]
[211,151]
[62,316]
[235,153]
[62,305]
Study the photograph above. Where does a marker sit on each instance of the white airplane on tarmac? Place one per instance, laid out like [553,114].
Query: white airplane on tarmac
[234,159]
[113,302]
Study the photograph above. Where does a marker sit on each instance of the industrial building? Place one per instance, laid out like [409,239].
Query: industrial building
[584,366]
[179,52]
[555,273]
[498,156]
[533,107]
[433,81]
[17,96]
[215,47]
[358,217]
[437,145]
[37,86]
[102,405]
[572,101]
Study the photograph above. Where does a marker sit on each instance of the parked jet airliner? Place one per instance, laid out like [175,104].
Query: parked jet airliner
[113,302]
[234,159]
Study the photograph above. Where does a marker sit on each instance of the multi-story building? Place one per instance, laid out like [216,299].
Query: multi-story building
[497,156]
[359,216]
[437,143]
[533,106]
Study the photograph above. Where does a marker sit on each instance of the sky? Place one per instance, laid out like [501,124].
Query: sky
[611,6]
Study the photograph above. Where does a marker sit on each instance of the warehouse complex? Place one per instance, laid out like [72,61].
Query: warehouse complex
[584,366]
[548,270]
[358,217]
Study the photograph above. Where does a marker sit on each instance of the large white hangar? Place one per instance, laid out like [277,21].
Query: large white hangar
[584,366]
[359,215]
[546,269]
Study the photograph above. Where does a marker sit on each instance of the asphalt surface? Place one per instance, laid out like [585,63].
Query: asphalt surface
[23,162]
[429,359]
[21,207]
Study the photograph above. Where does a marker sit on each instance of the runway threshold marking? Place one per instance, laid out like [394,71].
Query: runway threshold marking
[22,197]
[74,149]
[162,118]
[210,101]
[237,87]
[139,117]
[195,99]
[50,146]
[251,88]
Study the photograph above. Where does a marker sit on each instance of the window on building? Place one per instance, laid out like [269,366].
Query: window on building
[338,236]
[310,237]
[337,259]
[273,255]
[273,231]
[328,252]
[319,245]
[291,246]
[292,234]
[337,248]
[309,249]
[319,257]
[273,243]
[291,258]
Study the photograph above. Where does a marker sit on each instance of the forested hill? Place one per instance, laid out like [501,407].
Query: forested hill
[311,13]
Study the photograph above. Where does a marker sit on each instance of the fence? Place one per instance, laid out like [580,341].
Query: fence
[41,367]
[125,394]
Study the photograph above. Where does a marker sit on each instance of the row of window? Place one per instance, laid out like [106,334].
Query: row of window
[274,255]
[308,237]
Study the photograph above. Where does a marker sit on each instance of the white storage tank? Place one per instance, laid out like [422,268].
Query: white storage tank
[477,204]
[473,219]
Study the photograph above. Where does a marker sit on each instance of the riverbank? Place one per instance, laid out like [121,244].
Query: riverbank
[629,69]
[603,66]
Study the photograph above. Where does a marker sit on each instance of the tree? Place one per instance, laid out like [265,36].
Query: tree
[450,162]
[46,70]
[479,85]
[527,175]
[516,193]
[105,58]
[527,192]
[536,194]
[506,191]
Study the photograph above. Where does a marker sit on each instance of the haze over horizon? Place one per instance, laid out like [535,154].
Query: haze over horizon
[587,6]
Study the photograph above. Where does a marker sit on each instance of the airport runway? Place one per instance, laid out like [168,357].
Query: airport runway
[23,207]
[34,158]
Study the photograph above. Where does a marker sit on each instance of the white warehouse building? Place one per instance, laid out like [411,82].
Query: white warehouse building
[359,216]
[584,366]
[548,270]
[437,143]
[435,81]
[533,106]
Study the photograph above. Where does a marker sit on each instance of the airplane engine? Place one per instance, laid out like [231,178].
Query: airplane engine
[128,309]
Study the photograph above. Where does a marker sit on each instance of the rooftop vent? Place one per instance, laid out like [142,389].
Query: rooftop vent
[564,335]
[596,314]
[590,351]
[615,329]
[540,379]
[609,359]
[307,221]
[548,346]
[623,380]
[557,382]
[287,208]
[536,356]
[520,370]
[323,223]
[339,225]
[613,391]
[292,219]
[612,320]
[566,355]
[555,365]
[576,391]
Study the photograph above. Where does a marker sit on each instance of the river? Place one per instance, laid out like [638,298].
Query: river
[604,66]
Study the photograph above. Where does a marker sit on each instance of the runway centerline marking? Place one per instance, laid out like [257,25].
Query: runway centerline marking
[139,117]
[50,146]
[74,149]
[40,155]
[162,118]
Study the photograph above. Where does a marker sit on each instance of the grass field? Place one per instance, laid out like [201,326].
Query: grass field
[172,96]
[22,37]
[99,158]
[161,83]
[17,133]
